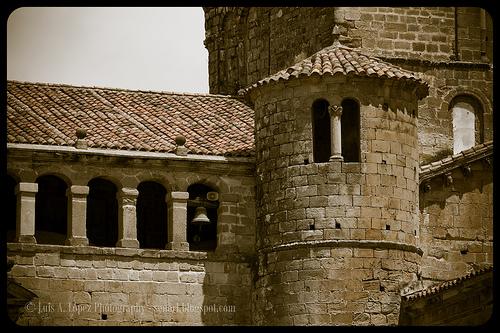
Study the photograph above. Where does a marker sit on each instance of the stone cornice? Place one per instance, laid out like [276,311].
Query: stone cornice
[440,287]
[438,168]
[435,63]
[128,153]
[350,243]
[212,164]
[106,252]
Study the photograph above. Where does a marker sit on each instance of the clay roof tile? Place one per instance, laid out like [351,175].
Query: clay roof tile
[441,286]
[39,113]
[336,59]
[436,168]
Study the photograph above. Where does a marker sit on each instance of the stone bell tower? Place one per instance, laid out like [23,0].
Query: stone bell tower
[337,190]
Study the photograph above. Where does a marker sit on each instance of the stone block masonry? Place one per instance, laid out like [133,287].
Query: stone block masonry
[98,286]
[387,196]
[83,285]
[299,242]
[306,210]
[257,41]
[453,47]
[456,224]
[332,286]
[262,41]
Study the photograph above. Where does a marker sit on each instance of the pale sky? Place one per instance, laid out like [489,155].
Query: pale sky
[146,48]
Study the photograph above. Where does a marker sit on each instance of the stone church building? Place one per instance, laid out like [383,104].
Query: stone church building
[339,172]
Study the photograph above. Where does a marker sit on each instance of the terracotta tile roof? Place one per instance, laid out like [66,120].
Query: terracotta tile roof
[451,162]
[50,114]
[434,289]
[342,60]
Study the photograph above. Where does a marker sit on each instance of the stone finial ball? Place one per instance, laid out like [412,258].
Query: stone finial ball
[81,133]
[180,140]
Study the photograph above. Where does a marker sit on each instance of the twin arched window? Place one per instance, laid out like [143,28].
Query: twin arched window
[467,121]
[322,131]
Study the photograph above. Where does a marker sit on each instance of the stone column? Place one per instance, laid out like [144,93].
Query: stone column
[177,221]
[25,219]
[127,219]
[77,215]
[336,132]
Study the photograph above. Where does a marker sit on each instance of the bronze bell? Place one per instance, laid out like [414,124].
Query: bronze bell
[200,216]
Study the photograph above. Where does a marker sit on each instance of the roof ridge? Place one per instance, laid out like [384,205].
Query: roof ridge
[65,85]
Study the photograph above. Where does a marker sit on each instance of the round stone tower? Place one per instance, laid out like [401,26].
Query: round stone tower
[337,190]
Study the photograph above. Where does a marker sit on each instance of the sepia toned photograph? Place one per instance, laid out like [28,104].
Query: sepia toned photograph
[249,166]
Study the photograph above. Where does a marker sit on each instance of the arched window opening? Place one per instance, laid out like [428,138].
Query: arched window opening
[11,206]
[151,211]
[350,123]
[202,217]
[467,123]
[51,211]
[321,131]
[102,213]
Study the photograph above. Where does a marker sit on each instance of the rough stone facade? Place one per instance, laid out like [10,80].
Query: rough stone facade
[299,242]
[456,227]
[369,209]
[116,286]
[247,44]
[107,286]
[452,47]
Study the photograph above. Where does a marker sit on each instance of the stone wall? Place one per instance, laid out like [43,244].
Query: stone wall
[147,282]
[428,33]
[332,285]
[454,54]
[457,224]
[267,40]
[294,193]
[271,38]
[117,286]
[426,40]
[447,81]
[337,241]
